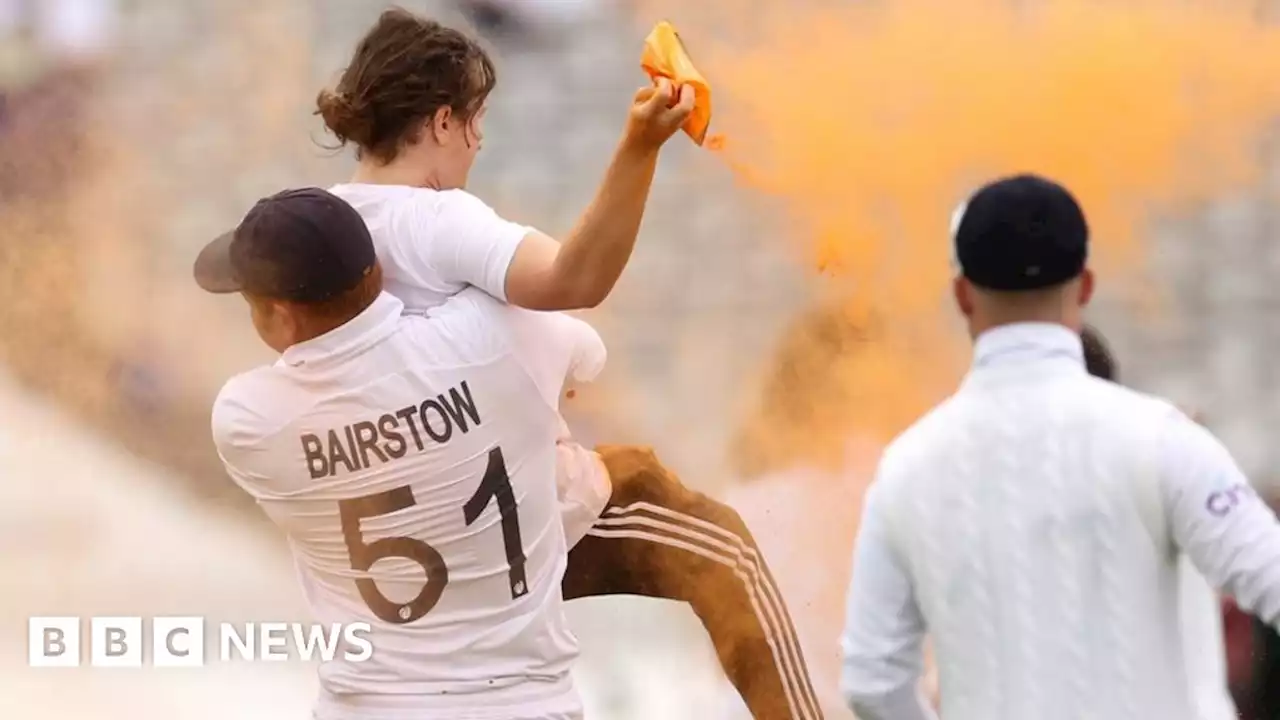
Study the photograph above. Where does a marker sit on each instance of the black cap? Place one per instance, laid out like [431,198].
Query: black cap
[303,245]
[1021,233]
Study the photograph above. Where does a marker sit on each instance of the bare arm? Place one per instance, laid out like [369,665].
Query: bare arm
[581,271]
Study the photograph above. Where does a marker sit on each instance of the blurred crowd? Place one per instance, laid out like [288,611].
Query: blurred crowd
[55,57]
[114,167]
[50,53]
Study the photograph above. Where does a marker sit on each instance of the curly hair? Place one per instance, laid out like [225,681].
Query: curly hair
[403,71]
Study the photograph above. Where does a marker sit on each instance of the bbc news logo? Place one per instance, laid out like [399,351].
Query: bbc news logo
[183,642]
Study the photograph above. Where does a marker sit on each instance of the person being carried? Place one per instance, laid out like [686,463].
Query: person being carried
[412,101]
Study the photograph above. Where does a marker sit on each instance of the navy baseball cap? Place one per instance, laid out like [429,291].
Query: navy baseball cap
[1020,233]
[304,245]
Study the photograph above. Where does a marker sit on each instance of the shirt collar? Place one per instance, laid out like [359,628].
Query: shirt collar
[1018,343]
[370,326]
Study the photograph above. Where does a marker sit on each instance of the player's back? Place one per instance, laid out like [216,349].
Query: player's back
[1028,511]
[411,463]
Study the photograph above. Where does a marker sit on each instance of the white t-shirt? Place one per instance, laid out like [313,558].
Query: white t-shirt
[433,244]
[411,461]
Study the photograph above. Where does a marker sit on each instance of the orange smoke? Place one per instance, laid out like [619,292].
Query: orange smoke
[872,120]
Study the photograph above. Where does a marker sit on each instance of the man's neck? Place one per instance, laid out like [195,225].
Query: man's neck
[979,326]
[315,327]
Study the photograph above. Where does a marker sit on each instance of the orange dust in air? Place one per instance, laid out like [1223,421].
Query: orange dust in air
[871,121]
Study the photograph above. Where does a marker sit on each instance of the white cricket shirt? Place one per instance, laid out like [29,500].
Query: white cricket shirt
[1032,524]
[410,461]
[434,243]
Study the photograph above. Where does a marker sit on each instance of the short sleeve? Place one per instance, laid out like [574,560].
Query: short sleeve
[464,241]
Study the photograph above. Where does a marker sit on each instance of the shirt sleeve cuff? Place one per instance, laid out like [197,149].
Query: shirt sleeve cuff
[504,253]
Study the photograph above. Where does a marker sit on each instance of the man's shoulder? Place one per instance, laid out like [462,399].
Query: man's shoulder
[1091,395]
[470,326]
[912,444]
[249,406]
[470,300]
[470,310]
[1127,398]
[1121,407]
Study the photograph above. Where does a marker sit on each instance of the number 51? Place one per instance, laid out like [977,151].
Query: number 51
[495,485]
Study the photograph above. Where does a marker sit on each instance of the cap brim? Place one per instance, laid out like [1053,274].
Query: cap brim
[213,270]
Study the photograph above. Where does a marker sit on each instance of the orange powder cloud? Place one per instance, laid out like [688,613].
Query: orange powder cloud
[870,121]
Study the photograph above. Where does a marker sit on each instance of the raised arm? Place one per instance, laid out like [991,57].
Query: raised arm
[461,241]
[471,244]
[581,271]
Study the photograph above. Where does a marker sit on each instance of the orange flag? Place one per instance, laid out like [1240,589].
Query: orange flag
[665,56]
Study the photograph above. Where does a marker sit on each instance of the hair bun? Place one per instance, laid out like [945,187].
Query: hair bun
[342,117]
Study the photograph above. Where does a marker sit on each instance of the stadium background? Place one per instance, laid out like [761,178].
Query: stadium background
[137,129]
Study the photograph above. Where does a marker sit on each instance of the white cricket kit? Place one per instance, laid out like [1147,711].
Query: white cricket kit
[1033,525]
[411,461]
[432,244]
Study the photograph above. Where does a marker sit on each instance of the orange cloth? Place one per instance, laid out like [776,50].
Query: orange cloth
[665,56]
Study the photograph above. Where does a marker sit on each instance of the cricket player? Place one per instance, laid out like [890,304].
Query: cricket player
[1200,609]
[411,463]
[1032,523]
[412,101]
